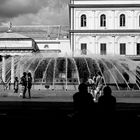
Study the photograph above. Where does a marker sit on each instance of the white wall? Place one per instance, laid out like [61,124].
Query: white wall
[112,15]
[112,43]
[112,40]
[63,45]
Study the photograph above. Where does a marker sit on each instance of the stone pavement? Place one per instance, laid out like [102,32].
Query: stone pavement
[46,106]
[64,96]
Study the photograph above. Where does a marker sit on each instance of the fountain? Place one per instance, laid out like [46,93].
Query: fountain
[63,72]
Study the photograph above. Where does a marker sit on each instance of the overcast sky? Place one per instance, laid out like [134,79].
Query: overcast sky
[34,12]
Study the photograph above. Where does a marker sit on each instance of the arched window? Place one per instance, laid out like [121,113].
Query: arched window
[103,20]
[122,20]
[83,20]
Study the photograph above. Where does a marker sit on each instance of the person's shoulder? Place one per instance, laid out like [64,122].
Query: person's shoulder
[75,94]
[101,98]
[113,97]
[89,94]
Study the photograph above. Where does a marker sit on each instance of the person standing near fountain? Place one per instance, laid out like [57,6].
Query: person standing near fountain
[23,83]
[99,86]
[91,84]
[16,85]
[29,83]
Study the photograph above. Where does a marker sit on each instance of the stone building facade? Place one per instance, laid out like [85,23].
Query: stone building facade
[105,27]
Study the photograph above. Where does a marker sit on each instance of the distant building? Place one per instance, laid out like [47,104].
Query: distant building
[27,40]
[47,38]
[105,27]
[96,28]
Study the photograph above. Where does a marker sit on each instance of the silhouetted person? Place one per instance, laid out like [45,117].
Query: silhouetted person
[23,82]
[83,103]
[91,85]
[9,85]
[99,85]
[29,83]
[16,85]
[107,103]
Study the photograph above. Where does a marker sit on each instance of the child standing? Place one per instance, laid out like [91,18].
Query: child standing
[16,85]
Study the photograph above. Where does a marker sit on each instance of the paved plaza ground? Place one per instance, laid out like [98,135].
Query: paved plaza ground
[46,105]
[123,96]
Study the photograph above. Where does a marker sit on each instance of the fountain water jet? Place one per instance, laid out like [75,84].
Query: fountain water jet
[64,72]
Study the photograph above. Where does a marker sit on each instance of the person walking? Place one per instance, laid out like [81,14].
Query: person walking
[29,83]
[23,83]
[16,85]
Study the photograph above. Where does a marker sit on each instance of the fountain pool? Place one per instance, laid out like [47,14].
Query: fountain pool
[63,72]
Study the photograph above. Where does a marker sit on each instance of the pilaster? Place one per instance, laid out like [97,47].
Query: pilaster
[12,69]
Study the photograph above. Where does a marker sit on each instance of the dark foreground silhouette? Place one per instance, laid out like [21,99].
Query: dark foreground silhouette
[84,105]
[53,115]
[107,104]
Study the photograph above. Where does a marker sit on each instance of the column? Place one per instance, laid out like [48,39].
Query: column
[114,45]
[114,19]
[134,44]
[21,67]
[133,18]
[96,45]
[19,74]
[116,51]
[12,69]
[3,69]
[94,20]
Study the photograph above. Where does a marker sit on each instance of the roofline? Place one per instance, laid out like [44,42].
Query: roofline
[34,26]
[104,6]
[16,48]
[16,39]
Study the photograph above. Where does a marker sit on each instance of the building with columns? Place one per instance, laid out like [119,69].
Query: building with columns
[11,45]
[95,28]
[105,27]
[27,40]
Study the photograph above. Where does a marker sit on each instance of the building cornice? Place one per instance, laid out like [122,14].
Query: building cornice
[104,6]
[106,31]
[48,42]
[17,48]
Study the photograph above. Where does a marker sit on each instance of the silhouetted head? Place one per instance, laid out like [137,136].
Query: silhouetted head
[107,91]
[83,88]
[16,78]
[29,74]
[24,73]
[99,73]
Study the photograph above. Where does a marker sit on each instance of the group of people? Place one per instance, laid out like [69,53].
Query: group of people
[95,85]
[85,106]
[26,83]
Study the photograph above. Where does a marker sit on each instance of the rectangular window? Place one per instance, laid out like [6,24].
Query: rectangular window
[103,49]
[122,48]
[138,48]
[83,48]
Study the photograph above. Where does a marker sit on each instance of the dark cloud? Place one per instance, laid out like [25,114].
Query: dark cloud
[34,11]
[13,8]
